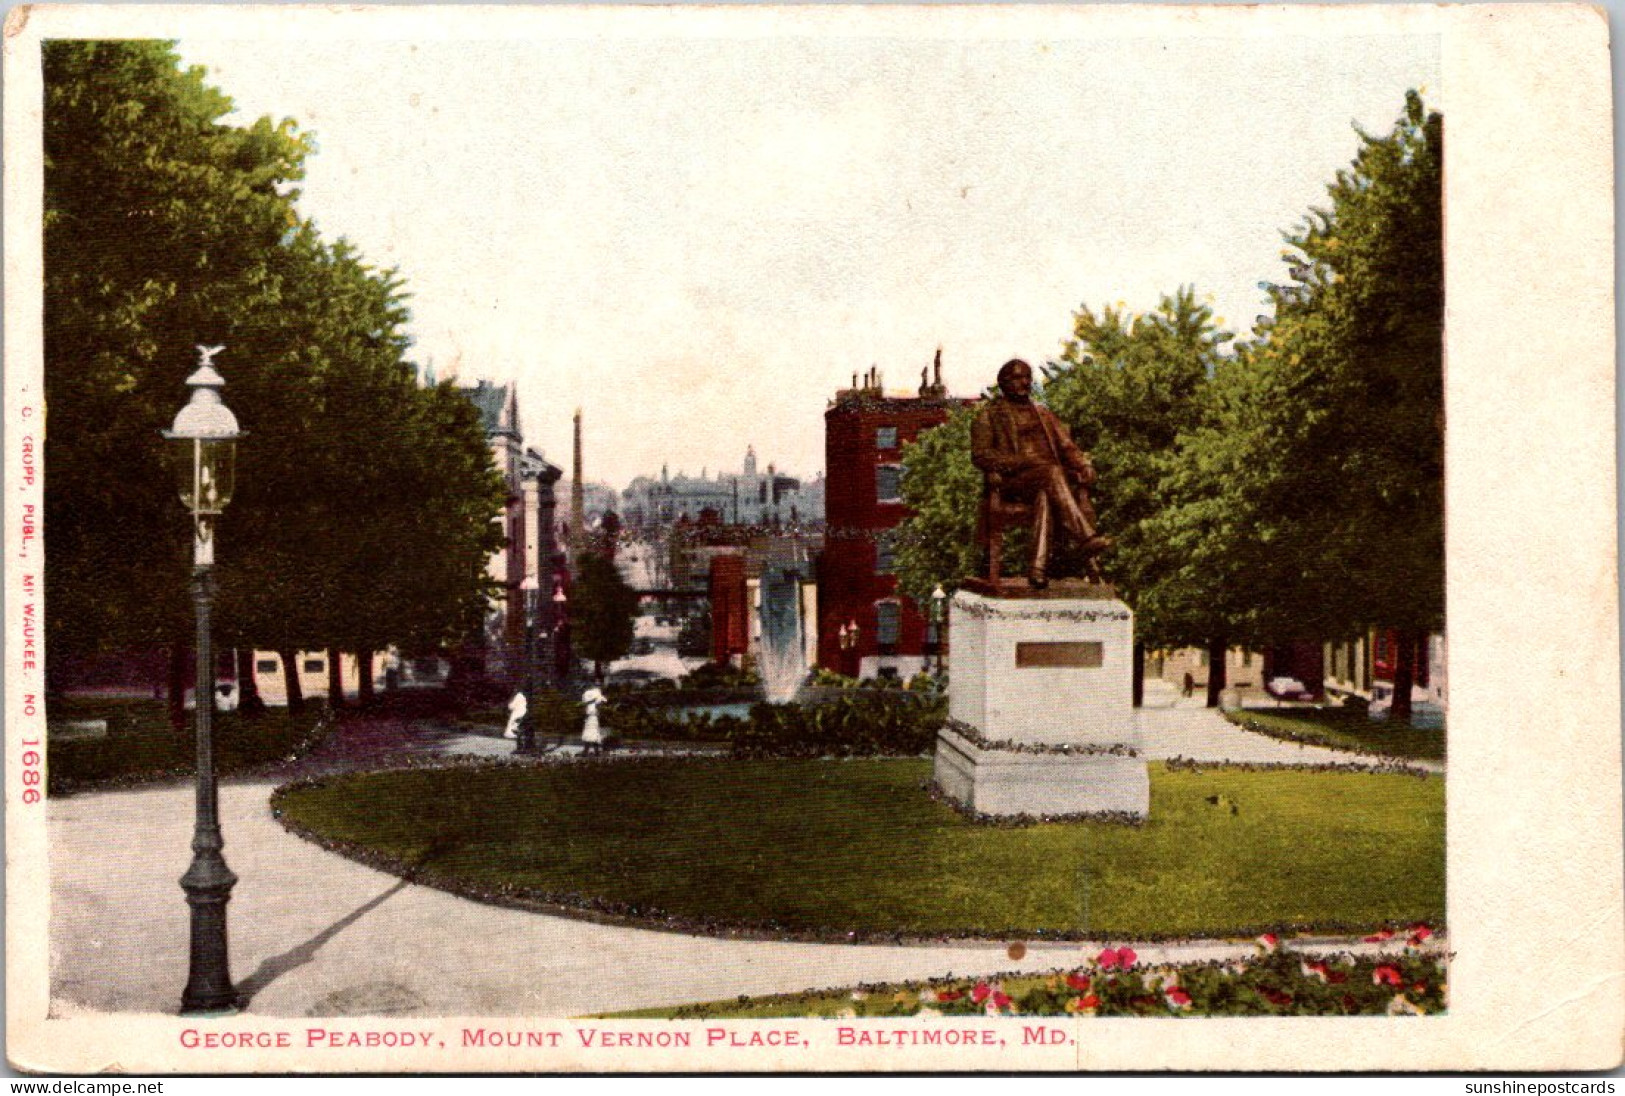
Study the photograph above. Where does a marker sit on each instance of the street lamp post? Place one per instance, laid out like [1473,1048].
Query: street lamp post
[205,456]
[527,725]
[939,604]
[561,603]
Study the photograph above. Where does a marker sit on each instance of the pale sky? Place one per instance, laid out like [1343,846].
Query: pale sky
[699,239]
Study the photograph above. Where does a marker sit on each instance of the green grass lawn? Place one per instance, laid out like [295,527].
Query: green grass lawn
[830,848]
[141,745]
[1344,730]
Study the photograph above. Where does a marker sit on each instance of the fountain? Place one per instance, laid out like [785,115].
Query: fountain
[782,659]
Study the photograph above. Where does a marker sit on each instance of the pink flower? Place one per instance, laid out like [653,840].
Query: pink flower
[981,991]
[1419,936]
[1126,957]
[1386,975]
[1107,959]
[1380,936]
[1001,1000]
[1079,982]
[1269,941]
[1178,998]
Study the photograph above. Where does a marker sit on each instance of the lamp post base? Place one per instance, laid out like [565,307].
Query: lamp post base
[208,884]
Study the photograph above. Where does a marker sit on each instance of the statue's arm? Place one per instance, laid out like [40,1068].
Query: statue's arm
[985,452]
[1075,458]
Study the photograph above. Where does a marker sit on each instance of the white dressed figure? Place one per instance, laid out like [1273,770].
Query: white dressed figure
[516,712]
[592,736]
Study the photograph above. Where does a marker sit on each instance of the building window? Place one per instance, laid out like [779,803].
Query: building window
[885,555]
[314,665]
[888,623]
[1246,658]
[265,666]
[886,437]
[888,483]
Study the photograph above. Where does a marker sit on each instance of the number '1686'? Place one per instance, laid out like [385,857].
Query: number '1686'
[31,770]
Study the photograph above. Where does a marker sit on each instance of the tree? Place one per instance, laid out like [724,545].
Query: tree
[363,515]
[1324,457]
[936,544]
[603,612]
[1127,386]
[157,220]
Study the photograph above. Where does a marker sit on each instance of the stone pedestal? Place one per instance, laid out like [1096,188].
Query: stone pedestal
[1040,704]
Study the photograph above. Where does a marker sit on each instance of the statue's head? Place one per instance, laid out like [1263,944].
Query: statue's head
[1016,380]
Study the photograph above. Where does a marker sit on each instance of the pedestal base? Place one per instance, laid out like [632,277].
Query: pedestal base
[1009,782]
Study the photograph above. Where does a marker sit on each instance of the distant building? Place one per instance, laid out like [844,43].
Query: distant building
[866,628]
[747,497]
[1364,666]
[765,583]
[529,543]
[597,499]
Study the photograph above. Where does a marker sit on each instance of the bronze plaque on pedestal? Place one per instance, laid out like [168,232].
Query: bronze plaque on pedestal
[1083,656]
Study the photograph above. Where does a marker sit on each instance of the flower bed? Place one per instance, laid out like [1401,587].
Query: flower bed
[1274,981]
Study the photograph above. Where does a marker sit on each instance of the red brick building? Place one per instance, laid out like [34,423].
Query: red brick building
[865,627]
[730,618]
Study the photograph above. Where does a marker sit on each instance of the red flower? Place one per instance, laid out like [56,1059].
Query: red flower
[1421,932]
[1001,1000]
[1079,982]
[1386,975]
[1089,1002]
[1126,957]
[979,994]
[949,995]
[1419,988]
[1269,941]
[1380,936]
[1178,998]
[1275,996]
[1337,977]
[1107,959]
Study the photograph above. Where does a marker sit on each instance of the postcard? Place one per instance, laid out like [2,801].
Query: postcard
[810,538]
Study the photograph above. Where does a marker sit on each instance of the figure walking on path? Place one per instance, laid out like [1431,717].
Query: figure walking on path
[592,735]
[516,712]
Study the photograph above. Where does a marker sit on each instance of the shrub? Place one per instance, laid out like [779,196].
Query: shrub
[867,724]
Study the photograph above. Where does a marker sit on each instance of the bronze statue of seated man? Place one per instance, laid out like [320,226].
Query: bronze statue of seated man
[1030,461]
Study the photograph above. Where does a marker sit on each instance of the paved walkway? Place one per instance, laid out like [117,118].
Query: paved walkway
[1202,734]
[314,934]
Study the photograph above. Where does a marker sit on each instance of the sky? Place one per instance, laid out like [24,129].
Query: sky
[698,238]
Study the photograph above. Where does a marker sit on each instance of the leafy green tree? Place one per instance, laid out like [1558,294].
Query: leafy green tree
[603,612]
[157,221]
[936,544]
[1127,386]
[1322,465]
[364,509]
